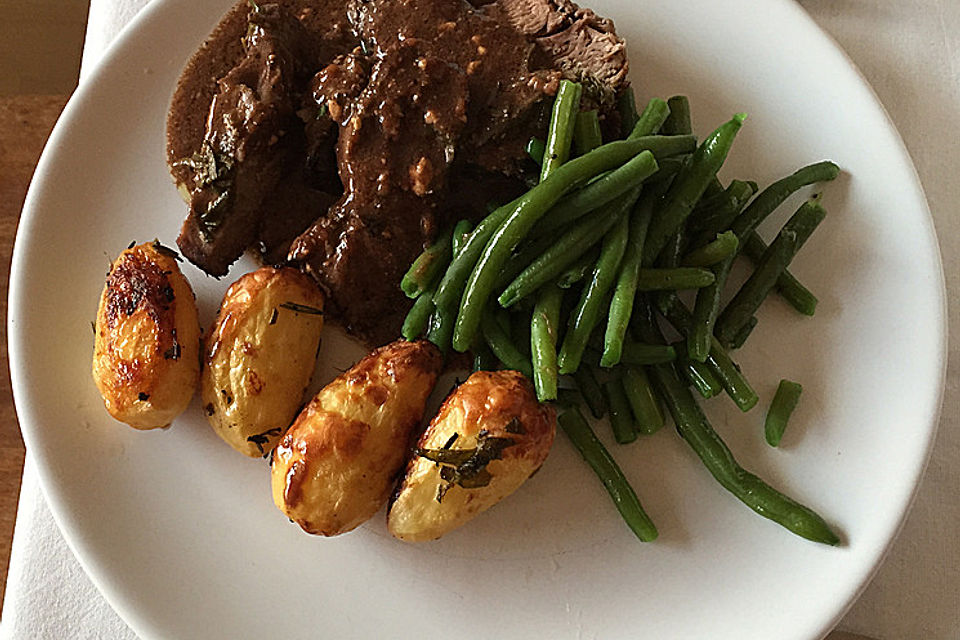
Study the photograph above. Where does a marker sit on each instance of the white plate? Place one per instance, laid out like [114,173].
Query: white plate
[180,533]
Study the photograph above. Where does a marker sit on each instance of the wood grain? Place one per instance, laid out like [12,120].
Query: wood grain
[25,124]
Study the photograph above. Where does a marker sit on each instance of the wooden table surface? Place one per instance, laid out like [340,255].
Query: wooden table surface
[25,124]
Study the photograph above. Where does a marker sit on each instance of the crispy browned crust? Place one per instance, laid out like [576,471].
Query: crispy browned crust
[335,466]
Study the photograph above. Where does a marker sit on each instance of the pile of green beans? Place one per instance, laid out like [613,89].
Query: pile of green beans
[570,282]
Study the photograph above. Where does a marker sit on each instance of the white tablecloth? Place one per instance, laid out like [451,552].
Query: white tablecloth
[909,50]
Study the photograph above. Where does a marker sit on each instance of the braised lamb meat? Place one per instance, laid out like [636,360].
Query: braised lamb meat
[396,141]
[342,136]
[245,151]
[584,46]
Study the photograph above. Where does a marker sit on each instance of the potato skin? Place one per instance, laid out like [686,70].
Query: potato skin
[335,467]
[259,357]
[503,405]
[146,357]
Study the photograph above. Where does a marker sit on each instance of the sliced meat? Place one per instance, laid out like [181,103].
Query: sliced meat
[351,131]
[251,137]
[244,153]
[396,142]
[577,41]
[358,255]
[327,106]
[293,208]
[505,94]
[331,35]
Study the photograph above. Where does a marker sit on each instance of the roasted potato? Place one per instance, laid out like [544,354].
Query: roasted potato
[489,436]
[335,467]
[146,353]
[259,357]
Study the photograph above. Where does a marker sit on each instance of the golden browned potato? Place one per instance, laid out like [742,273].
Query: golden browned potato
[490,435]
[259,357]
[146,355]
[336,465]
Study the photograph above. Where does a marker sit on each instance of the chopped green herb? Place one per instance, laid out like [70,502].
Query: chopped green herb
[213,170]
[450,442]
[467,467]
[261,439]
[515,426]
[164,250]
[302,308]
[173,353]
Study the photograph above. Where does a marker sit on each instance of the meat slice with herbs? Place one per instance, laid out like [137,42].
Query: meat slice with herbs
[342,135]
[245,152]
[396,141]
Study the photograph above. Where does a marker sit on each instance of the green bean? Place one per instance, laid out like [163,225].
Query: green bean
[529,252]
[535,149]
[461,231]
[669,168]
[677,278]
[744,333]
[705,311]
[719,461]
[699,375]
[789,288]
[652,119]
[520,218]
[440,329]
[563,119]
[643,400]
[502,346]
[568,398]
[774,195]
[587,314]
[417,318]
[624,498]
[589,387]
[544,330]
[615,183]
[723,246]
[689,186]
[670,257]
[621,418]
[784,402]
[586,135]
[579,269]
[715,215]
[679,121]
[451,285]
[427,267]
[638,353]
[625,290]
[773,263]
[733,381]
[714,189]
[627,107]
[564,250]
